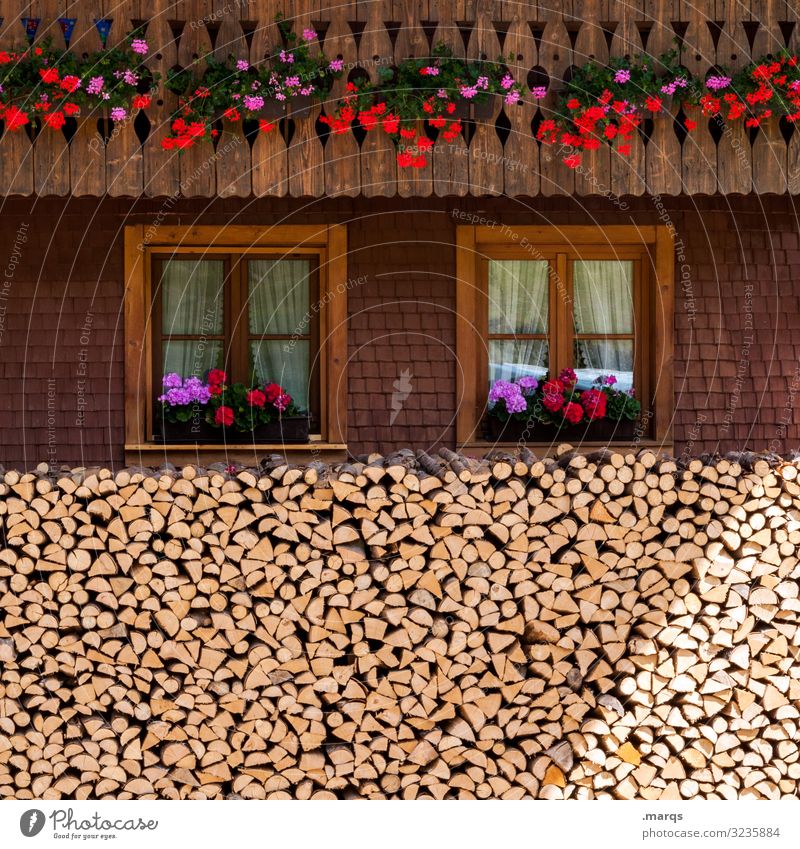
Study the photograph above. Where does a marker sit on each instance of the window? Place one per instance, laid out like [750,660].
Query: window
[536,300]
[265,305]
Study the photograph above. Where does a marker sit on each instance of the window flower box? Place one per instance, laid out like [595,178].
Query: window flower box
[557,410]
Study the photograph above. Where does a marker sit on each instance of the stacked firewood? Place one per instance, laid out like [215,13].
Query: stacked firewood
[607,625]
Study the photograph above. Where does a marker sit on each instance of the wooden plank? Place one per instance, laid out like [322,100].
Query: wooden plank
[334,351]
[378,151]
[628,172]
[520,165]
[663,156]
[270,171]
[485,148]
[664,343]
[342,168]
[162,172]
[137,347]
[124,157]
[734,152]
[591,46]
[555,55]
[699,152]
[467,345]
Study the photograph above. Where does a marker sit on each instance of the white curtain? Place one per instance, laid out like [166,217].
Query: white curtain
[192,304]
[603,304]
[518,294]
[278,305]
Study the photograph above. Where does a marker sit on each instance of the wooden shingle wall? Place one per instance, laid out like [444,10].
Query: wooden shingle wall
[126,159]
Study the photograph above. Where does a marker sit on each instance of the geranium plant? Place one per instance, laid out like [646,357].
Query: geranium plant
[244,408]
[237,90]
[559,401]
[605,104]
[41,82]
[184,399]
[434,89]
[759,91]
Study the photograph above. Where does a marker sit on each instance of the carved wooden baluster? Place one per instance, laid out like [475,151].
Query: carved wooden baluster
[198,174]
[555,56]
[485,149]
[124,160]
[270,170]
[342,166]
[520,164]
[770,154]
[412,42]
[378,151]
[233,152]
[591,46]
[87,150]
[305,154]
[627,172]
[16,150]
[51,151]
[734,151]
[663,152]
[699,153]
[162,173]
[450,158]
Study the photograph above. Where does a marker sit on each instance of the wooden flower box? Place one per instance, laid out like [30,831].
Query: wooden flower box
[604,430]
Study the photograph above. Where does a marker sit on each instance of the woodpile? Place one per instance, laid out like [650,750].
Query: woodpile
[607,625]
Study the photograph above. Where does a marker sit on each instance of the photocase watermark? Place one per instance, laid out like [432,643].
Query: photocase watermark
[65,825]
[743,366]
[10,270]
[402,389]
[51,423]
[689,306]
[299,332]
[587,173]
[83,369]
[692,435]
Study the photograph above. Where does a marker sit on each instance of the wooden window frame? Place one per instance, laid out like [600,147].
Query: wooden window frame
[652,245]
[144,243]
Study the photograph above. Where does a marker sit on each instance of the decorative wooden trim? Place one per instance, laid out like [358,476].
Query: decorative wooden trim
[329,241]
[654,303]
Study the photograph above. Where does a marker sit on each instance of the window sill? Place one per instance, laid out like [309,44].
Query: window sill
[550,449]
[150,453]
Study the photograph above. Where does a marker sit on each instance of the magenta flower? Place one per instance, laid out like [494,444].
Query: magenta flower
[309,34]
[511,98]
[538,92]
[139,45]
[716,83]
[253,102]
[528,384]
[242,65]
[118,114]
[623,75]
[292,82]
[468,92]
[507,81]
[336,65]
[287,57]
[95,85]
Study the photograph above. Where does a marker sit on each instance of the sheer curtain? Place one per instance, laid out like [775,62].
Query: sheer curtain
[518,306]
[603,305]
[278,305]
[192,304]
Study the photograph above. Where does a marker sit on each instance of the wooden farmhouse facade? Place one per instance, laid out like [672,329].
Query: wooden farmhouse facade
[380,295]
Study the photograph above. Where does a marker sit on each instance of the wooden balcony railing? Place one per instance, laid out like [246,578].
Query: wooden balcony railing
[127,159]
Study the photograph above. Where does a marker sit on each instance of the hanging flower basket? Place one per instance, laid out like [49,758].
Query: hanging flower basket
[483,110]
[274,110]
[194,431]
[301,105]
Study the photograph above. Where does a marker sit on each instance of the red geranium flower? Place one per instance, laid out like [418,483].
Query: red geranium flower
[256,398]
[15,117]
[594,402]
[573,412]
[71,109]
[653,104]
[55,120]
[272,391]
[70,83]
[553,395]
[224,416]
[48,75]
[690,124]
[216,375]
[266,126]
[4,57]
[282,401]
[572,161]
[141,101]
[405,159]
[231,113]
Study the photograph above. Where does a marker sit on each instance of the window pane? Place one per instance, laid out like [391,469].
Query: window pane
[510,359]
[278,303]
[270,363]
[603,291]
[191,358]
[595,357]
[192,297]
[518,296]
